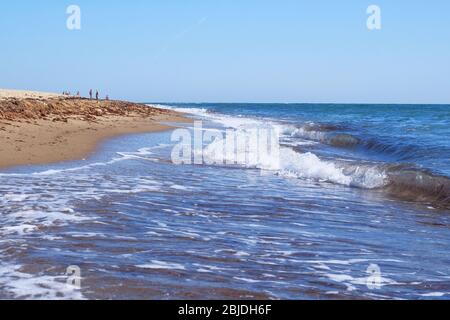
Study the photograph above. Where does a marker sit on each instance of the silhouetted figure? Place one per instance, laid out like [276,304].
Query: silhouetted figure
[90,94]
[96,95]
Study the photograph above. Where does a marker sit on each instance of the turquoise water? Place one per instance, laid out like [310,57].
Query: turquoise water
[357,209]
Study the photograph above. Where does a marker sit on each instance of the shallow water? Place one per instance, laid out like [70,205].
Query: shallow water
[139,226]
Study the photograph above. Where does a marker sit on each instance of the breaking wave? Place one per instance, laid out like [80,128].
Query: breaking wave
[401,181]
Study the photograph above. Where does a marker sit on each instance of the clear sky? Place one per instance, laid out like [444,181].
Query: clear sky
[230,51]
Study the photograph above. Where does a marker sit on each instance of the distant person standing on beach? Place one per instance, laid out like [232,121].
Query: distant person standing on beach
[90,94]
[96,95]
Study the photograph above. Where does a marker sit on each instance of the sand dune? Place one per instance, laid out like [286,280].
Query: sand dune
[23,94]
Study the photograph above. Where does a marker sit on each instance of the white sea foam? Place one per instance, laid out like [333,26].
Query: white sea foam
[350,282]
[39,287]
[178,187]
[434,294]
[288,163]
[20,229]
[302,132]
[15,197]
[45,202]
[156,264]
[246,280]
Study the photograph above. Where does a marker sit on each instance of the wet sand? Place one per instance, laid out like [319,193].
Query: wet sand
[44,128]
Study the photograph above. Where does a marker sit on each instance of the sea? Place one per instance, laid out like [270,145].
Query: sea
[355,204]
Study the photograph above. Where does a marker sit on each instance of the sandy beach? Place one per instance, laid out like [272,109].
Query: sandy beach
[25,94]
[39,128]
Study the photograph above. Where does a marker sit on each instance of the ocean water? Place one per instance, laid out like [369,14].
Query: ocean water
[358,206]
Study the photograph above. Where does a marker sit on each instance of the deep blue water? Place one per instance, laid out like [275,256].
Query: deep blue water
[357,209]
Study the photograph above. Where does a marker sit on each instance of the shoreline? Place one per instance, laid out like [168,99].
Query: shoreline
[36,131]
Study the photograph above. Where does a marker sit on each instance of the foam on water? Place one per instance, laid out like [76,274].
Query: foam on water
[155,264]
[288,163]
[17,284]
[291,162]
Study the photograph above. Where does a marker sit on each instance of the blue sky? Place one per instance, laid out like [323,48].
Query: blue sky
[230,51]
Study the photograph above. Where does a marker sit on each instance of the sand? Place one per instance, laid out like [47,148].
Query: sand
[22,94]
[39,128]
